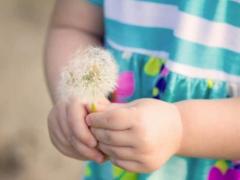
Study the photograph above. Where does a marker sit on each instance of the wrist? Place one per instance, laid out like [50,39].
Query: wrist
[180,106]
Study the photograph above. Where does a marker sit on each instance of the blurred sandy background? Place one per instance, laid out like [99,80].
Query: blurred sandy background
[25,149]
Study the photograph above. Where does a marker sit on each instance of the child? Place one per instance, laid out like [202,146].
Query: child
[179,78]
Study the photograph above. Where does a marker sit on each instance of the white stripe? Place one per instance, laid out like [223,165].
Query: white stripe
[234,89]
[209,33]
[162,54]
[183,69]
[185,26]
[237,1]
[201,73]
[141,13]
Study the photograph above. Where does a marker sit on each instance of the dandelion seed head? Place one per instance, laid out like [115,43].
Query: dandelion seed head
[90,75]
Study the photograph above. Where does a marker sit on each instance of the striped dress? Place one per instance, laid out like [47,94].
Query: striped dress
[173,50]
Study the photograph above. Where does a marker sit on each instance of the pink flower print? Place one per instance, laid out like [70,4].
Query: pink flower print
[221,171]
[125,87]
[232,174]
[215,174]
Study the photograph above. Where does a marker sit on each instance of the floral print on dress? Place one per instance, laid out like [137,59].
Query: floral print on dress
[121,174]
[224,170]
[125,87]
[155,67]
[161,83]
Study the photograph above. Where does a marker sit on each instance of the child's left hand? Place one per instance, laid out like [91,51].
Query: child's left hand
[139,136]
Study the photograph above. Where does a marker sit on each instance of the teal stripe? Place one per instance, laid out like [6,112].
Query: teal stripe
[135,36]
[180,50]
[224,11]
[96,2]
[205,57]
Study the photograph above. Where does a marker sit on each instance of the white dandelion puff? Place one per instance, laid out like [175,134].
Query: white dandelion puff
[91,75]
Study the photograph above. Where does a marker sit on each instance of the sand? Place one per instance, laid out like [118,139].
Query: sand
[25,149]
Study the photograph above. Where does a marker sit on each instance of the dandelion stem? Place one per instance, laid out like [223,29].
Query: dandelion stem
[93,108]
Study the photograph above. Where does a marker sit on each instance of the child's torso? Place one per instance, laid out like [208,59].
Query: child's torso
[174,50]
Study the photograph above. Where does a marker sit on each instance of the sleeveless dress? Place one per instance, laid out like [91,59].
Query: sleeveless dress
[173,50]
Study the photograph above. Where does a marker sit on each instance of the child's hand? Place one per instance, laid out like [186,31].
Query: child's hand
[69,132]
[139,136]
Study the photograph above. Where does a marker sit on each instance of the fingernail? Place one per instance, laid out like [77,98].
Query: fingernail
[99,159]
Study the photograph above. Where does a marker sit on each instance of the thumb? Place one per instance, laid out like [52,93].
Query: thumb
[113,106]
[103,105]
[98,106]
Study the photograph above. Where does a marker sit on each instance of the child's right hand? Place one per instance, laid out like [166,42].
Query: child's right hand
[69,132]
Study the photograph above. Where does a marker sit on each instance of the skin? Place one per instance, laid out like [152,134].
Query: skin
[142,135]
[139,136]
[74,25]
[133,135]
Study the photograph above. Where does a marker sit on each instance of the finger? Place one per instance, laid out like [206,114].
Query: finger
[89,153]
[59,140]
[62,121]
[56,131]
[66,150]
[116,119]
[132,166]
[117,152]
[114,138]
[76,114]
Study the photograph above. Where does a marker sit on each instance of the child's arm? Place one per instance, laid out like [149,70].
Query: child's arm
[75,25]
[211,128]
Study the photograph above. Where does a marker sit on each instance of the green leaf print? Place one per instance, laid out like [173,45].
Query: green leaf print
[153,66]
[121,174]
